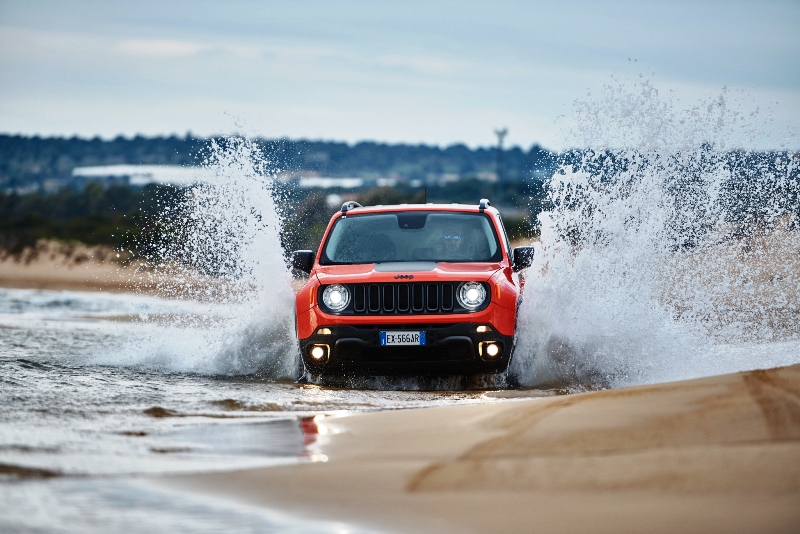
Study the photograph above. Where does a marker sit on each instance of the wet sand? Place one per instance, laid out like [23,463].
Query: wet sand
[718,454]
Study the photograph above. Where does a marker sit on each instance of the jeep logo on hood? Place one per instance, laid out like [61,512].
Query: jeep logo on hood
[403,276]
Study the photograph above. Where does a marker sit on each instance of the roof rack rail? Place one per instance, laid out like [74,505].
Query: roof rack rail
[483,204]
[350,204]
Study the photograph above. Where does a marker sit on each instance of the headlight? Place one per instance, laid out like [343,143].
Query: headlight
[471,295]
[336,297]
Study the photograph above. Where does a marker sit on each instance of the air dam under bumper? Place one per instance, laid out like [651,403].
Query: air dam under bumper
[450,349]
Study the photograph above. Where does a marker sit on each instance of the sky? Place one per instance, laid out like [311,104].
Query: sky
[435,72]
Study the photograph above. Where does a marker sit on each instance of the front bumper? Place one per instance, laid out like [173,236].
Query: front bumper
[450,349]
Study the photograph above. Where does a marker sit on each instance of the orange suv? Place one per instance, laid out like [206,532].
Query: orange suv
[411,289]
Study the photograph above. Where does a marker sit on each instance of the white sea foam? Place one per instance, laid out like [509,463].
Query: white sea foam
[661,249]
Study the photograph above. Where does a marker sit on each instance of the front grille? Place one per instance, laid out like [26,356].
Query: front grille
[405,298]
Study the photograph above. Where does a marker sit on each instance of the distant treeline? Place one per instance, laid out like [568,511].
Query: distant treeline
[140,220]
[135,218]
[117,216]
[28,161]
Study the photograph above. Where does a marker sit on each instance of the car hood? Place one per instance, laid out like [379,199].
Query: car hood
[418,271]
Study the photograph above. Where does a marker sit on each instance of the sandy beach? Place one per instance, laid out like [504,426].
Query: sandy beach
[717,454]
[70,266]
[55,265]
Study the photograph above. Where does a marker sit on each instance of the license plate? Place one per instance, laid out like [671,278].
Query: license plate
[402,338]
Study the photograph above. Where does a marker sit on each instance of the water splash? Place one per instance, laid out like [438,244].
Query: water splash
[223,253]
[663,251]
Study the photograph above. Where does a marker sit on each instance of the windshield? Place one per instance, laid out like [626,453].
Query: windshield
[412,236]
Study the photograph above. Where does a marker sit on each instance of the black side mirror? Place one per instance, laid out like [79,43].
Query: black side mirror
[303,260]
[522,258]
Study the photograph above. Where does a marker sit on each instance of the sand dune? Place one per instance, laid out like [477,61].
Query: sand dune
[718,454]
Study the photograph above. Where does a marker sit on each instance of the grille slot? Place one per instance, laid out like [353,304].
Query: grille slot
[359,299]
[388,297]
[447,297]
[433,297]
[417,296]
[374,298]
[399,298]
[403,297]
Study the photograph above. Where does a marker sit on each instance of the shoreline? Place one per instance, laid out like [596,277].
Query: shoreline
[715,454]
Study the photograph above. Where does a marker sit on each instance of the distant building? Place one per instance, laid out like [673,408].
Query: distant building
[326,183]
[142,175]
[179,176]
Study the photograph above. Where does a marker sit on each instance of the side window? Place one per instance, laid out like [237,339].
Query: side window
[505,235]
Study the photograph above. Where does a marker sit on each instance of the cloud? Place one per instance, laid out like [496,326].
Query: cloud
[424,64]
[163,48]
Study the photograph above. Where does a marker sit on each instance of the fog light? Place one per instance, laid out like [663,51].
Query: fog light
[324,331]
[319,352]
[489,349]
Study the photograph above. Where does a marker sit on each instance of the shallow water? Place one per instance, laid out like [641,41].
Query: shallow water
[81,418]
[73,402]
